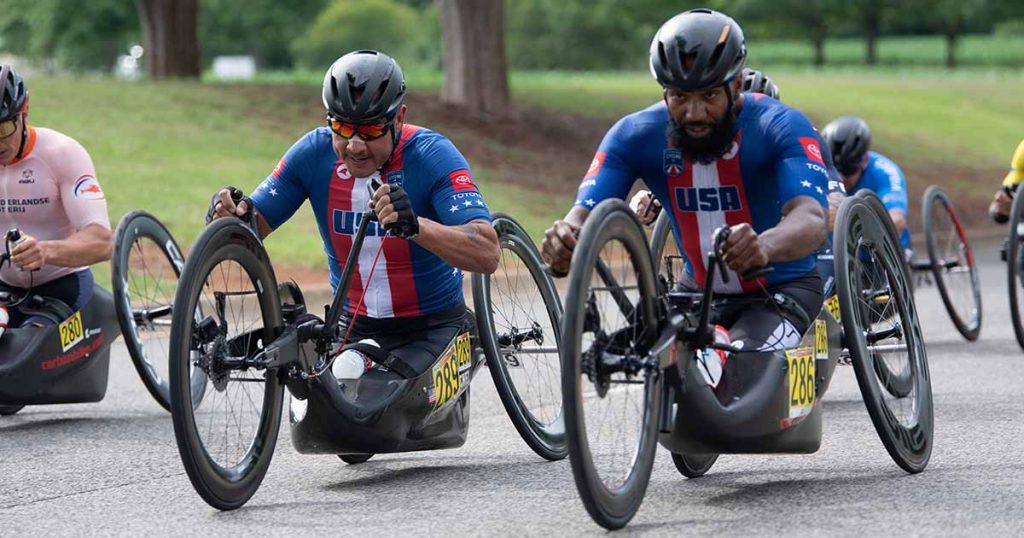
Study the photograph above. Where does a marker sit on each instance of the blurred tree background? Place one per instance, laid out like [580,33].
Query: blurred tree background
[540,34]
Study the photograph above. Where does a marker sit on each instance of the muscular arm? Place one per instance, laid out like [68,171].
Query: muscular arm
[800,232]
[470,247]
[87,246]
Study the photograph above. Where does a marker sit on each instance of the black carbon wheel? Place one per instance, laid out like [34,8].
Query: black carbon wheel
[694,465]
[518,315]
[227,439]
[883,334]
[612,386]
[145,269]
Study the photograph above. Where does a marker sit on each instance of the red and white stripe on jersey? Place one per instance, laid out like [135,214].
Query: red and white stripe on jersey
[400,281]
[391,286]
[697,228]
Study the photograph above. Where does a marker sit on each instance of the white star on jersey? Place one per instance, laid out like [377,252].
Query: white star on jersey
[273,192]
[590,202]
[819,190]
[454,208]
[806,183]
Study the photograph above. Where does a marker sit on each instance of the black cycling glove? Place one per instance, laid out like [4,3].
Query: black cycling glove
[407,226]
[237,197]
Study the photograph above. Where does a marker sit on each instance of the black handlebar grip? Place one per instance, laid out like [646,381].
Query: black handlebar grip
[14,235]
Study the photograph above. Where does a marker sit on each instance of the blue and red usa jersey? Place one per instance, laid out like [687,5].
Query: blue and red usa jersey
[882,176]
[408,280]
[775,157]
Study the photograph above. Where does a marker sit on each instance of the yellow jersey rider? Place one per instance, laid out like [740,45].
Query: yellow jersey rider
[999,210]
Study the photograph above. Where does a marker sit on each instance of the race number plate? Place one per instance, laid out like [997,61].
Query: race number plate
[71,331]
[832,304]
[801,381]
[451,373]
[820,339]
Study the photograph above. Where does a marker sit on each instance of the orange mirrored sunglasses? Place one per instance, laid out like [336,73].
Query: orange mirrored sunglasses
[365,131]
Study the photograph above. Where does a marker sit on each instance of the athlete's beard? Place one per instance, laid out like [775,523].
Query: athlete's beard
[707,148]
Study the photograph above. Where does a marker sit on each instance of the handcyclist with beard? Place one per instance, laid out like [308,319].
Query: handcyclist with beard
[717,157]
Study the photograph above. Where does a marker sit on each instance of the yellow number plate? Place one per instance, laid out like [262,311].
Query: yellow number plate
[801,381]
[820,339]
[832,304]
[451,373]
[71,331]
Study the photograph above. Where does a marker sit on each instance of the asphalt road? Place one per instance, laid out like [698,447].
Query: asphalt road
[112,468]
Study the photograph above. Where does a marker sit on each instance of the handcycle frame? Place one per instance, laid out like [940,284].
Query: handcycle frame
[656,348]
[66,362]
[328,420]
[761,421]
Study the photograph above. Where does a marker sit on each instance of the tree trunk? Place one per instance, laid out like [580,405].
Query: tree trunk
[871,24]
[951,36]
[475,70]
[819,50]
[171,36]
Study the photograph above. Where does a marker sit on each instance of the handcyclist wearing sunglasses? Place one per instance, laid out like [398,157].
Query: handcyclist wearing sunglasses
[713,156]
[433,221]
[49,191]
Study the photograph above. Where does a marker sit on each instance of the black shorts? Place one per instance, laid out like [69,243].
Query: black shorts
[772,321]
[415,341]
[74,290]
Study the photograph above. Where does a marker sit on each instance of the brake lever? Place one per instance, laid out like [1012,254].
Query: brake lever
[372,186]
[238,197]
[720,237]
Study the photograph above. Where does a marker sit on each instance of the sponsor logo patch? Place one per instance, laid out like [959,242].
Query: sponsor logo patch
[461,180]
[673,162]
[87,188]
[342,172]
[395,177]
[812,148]
[595,164]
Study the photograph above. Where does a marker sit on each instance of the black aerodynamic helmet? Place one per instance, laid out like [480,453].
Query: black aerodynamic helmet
[849,138]
[710,42]
[364,86]
[756,81]
[13,94]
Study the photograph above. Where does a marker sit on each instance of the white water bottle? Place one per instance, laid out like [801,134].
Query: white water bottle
[4,318]
[352,363]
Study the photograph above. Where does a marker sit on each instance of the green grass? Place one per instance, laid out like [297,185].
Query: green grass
[167,147]
[972,50]
[922,117]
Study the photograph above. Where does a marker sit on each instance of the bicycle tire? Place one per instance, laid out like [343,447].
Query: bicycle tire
[861,233]
[224,487]
[611,507]
[133,229]
[934,196]
[544,434]
[1014,265]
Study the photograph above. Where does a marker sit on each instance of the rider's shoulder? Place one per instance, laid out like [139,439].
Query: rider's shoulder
[650,120]
[50,143]
[877,161]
